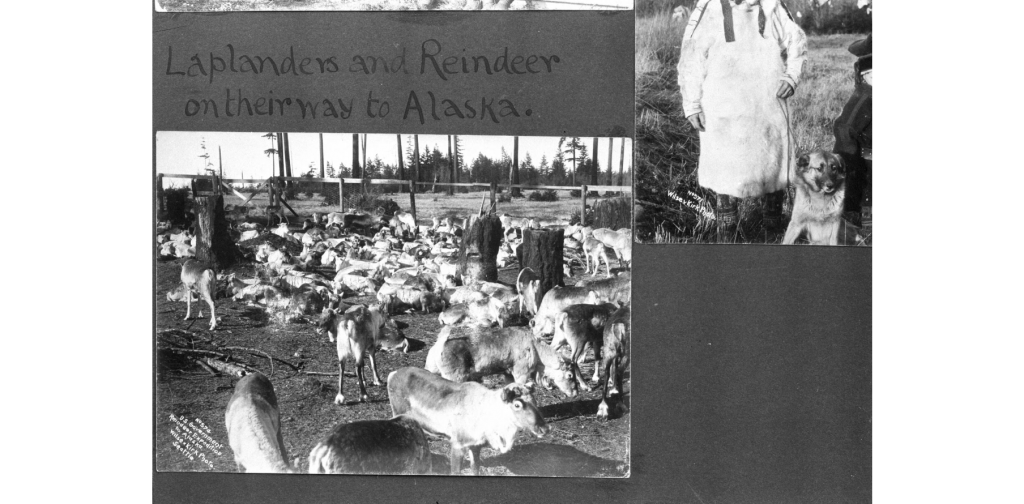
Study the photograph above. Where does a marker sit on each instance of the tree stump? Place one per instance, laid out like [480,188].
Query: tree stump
[542,252]
[613,213]
[213,243]
[478,254]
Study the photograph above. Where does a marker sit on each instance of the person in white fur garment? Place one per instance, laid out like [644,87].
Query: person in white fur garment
[740,61]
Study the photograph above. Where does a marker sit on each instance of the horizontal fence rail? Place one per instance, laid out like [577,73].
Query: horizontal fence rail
[405,183]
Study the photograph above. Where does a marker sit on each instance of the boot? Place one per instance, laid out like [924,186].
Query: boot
[866,224]
[773,216]
[727,216]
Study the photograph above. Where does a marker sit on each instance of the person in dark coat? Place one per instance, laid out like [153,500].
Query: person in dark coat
[853,140]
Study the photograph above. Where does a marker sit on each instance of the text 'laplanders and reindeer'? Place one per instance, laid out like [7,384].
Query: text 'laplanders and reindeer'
[432,64]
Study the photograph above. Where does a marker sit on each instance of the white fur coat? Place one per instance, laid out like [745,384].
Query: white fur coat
[746,149]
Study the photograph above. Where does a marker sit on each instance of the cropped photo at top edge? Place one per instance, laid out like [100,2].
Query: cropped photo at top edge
[386,5]
[486,279]
[753,121]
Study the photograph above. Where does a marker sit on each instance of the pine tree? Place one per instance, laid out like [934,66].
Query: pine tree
[577,152]
[528,172]
[271,152]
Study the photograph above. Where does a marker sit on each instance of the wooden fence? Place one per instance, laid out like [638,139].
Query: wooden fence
[275,188]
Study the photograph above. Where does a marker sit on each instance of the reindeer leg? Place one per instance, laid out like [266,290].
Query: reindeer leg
[577,354]
[213,313]
[596,344]
[188,303]
[362,384]
[340,398]
[373,367]
[602,410]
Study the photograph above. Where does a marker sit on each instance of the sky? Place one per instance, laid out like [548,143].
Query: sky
[242,153]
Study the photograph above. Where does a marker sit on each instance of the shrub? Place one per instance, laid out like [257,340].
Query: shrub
[373,202]
[307,187]
[548,195]
[574,217]
[177,205]
[575,193]
[843,18]
[330,194]
[504,198]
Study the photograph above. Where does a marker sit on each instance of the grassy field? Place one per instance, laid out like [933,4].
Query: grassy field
[668,147]
[440,205]
[315,5]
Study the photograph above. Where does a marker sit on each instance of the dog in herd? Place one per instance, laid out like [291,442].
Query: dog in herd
[818,206]
[196,276]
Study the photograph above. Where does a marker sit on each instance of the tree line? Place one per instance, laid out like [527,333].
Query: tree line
[572,163]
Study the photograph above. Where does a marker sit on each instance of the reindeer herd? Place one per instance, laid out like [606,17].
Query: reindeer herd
[487,328]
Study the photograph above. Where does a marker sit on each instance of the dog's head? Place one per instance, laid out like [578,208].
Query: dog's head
[822,172]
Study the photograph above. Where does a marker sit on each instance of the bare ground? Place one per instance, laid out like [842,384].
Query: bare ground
[578,445]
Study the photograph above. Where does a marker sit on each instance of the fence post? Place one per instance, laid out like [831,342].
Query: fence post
[160,194]
[412,200]
[366,183]
[583,206]
[494,194]
[341,193]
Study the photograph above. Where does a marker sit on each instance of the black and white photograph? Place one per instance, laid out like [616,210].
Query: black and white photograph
[486,281]
[387,5]
[754,122]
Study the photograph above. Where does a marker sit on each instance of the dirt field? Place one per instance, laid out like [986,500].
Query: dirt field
[578,445]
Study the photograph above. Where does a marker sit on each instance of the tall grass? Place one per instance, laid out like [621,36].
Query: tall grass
[667,146]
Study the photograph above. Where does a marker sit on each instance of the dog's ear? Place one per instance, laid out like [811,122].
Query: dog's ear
[803,162]
[840,164]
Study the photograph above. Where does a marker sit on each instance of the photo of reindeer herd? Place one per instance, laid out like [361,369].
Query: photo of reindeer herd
[485,280]
[753,121]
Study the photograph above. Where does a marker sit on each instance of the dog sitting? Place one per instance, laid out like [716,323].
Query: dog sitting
[195,274]
[818,206]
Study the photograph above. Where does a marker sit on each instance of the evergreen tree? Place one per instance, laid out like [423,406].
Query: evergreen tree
[576,152]
[556,175]
[527,172]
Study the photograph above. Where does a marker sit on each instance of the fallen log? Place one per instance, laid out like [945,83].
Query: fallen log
[226,368]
